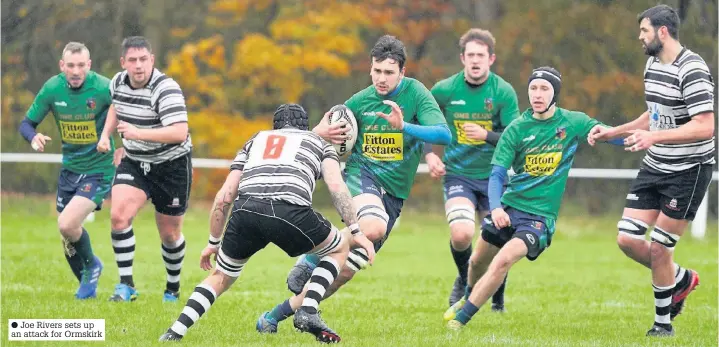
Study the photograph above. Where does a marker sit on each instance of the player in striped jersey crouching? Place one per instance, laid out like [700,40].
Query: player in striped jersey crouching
[677,131]
[148,110]
[395,116]
[271,182]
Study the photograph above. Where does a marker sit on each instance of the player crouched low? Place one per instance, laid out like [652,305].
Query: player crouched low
[271,182]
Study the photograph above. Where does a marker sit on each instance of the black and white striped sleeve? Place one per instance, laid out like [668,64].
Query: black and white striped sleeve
[329,151]
[114,83]
[241,158]
[697,86]
[170,102]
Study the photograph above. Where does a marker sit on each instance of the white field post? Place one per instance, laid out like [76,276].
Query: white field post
[699,224]
[698,227]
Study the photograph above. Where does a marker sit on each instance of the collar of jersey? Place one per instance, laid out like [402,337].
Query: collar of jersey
[476,86]
[557,114]
[84,83]
[395,91]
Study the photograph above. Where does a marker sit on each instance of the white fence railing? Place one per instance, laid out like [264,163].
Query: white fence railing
[698,227]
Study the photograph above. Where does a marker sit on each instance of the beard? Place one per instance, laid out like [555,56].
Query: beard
[653,48]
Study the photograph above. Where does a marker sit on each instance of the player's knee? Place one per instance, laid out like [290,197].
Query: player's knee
[626,243]
[631,232]
[462,234]
[118,220]
[169,238]
[373,229]
[169,235]
[120,223]
[662,242]
[501,263]
[68,227]
[373,221]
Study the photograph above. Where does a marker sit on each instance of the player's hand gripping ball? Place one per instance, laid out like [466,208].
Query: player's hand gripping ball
[340,113]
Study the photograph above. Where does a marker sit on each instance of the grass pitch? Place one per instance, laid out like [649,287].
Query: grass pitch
[581,292]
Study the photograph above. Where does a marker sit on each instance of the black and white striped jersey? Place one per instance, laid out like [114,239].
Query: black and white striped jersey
[283,165]
[674,94]
[160,103]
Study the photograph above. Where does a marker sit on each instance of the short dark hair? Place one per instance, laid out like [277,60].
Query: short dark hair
[389,47]
[662,15]
[75,47]
[476,34]
[137,42]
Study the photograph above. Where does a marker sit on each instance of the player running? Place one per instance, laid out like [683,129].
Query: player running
[395,116]
[149,113]
[78,99]
[540,148]
[478,105]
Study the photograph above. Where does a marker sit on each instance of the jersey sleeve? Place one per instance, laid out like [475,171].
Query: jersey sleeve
[241,158]
[428,112]
[649,62]
[41,105]
[697,87]
[506,149]
[170,103]
[509,108]
[104,86]
[329,152]
[114,82]
[441,95]
[353,103]
[585,124]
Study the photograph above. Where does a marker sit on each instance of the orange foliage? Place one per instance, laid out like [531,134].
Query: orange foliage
[413,21]
[219,135]
[223,79]
[222,135]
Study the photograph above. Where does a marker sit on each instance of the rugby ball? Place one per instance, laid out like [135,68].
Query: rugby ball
[340,113]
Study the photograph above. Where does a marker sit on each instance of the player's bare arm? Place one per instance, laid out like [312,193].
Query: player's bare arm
[218,216]
[343,203]
[103,145]
[606,133]
[701,127]
[341,197]
[117,157]
[434,161]
[223,200]
[342,200]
